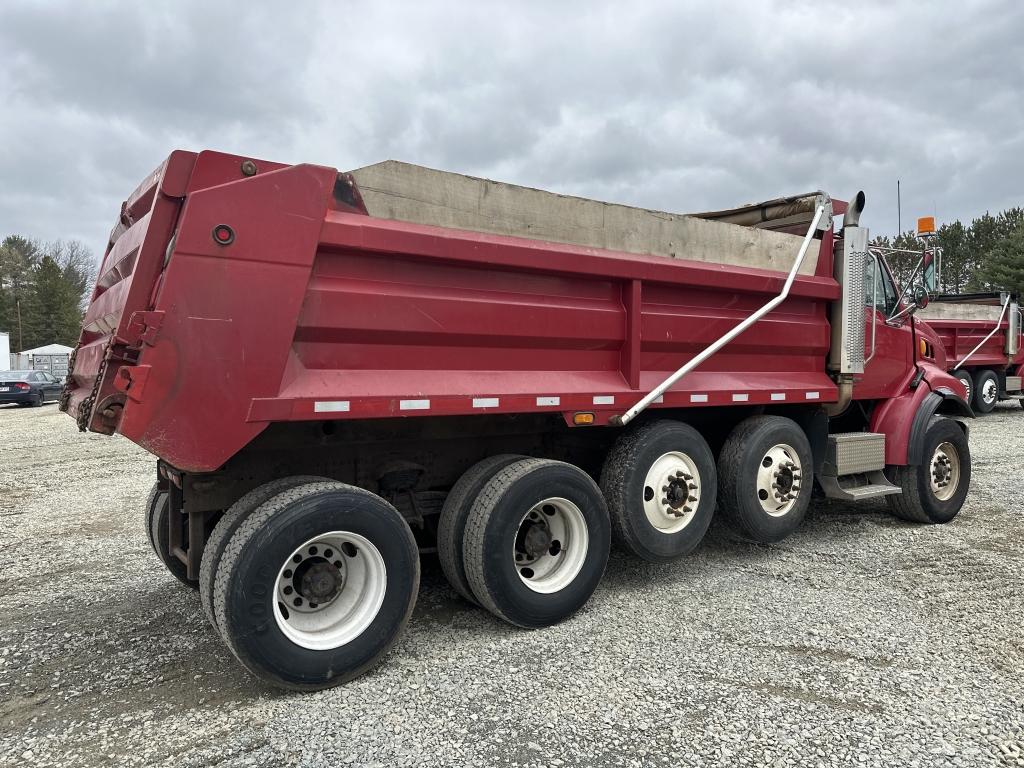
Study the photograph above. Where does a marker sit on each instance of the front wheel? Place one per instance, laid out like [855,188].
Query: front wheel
[316,584]
[935,490]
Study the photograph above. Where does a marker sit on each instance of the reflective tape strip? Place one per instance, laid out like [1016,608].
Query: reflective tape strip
[778,395]
[698,398]
[330,406]
[604,400]
[740,398]
[414,405]
[485,402]
[813,395]
[549,400]
[659,399]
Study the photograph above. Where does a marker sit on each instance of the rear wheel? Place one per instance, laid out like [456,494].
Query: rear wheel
[934,491]
[765,474]
[537,542]
[451,528]
[661,485]
[986,391]
[228,524]
[316,585]
[965,379]
[157,524]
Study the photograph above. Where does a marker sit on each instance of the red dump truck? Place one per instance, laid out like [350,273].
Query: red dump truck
[338,372]
[981,336]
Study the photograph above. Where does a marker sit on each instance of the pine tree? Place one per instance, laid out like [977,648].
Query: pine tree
[1004,263]
[56,317]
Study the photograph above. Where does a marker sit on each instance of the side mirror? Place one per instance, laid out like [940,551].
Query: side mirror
[931,269]
[920,296]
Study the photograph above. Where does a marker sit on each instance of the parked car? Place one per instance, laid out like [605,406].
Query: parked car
[29,387]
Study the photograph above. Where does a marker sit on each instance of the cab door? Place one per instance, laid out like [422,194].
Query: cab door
[888,344]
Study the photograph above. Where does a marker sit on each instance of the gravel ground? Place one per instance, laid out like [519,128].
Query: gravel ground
[859,641]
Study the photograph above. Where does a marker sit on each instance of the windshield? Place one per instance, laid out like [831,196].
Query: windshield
[15,375]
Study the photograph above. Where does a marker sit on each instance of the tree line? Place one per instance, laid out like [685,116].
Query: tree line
[985,255]
[42,290]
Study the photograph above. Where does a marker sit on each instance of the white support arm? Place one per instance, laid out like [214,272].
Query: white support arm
[992,333]
[659,390]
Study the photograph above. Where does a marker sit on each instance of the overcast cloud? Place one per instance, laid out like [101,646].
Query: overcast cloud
[679,106]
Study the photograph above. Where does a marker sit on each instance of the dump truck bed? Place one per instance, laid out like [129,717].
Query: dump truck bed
[963,325]
[237,293]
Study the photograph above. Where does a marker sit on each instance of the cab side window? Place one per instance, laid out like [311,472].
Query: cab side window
[878,288]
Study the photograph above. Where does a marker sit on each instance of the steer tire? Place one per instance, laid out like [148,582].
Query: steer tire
[451,527]
[639,522]
[919,502]
[968,382]
[983,378]
[252,618]
[739,465]
[497,522]
[228,524]
[157,511]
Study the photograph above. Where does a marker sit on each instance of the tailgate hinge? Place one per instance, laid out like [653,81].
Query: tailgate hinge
[143,327]
[132,380]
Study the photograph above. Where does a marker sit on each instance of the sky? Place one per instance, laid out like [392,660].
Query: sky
[678,106]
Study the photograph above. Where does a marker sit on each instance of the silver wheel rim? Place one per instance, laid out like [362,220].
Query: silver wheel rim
[779,480]
[671,492]
[329,590]
[945,471]
[967,387]
[989,391]
[551,545]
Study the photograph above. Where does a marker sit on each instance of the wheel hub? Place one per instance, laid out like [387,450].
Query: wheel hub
[536,539]
[318,582]
[779,480]
[550,545]
[329,590]
[945,471]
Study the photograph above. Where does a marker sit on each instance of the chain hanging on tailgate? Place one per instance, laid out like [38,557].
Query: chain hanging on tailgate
[85,407]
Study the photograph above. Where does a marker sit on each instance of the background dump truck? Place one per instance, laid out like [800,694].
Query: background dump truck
[981,336]
[337,372]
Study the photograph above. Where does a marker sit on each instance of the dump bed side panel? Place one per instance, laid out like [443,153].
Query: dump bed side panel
[959,337]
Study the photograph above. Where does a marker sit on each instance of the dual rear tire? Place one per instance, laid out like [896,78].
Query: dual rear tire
[527,539]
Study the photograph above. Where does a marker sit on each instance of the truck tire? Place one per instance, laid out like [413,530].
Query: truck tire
[967,381]
[765,474]
[157,510]
[986,390]
[536,542]
[151,501]
[935,490]
[316,585]
[229,523]
[660,484]
[451,527]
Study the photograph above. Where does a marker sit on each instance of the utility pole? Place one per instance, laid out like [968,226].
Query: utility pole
[899,210]
[21,338]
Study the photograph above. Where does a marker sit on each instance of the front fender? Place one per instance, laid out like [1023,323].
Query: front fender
[904,419]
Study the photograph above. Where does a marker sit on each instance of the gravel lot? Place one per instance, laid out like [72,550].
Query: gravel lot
[859,641]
